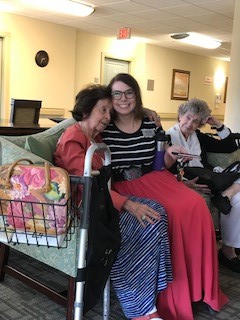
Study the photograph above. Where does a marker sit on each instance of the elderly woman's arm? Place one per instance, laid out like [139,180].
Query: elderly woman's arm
[153,116]
[222,131]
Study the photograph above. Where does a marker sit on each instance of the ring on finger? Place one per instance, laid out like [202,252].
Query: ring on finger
[143,217]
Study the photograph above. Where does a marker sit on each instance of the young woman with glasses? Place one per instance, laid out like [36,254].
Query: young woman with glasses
[131,138]
[143,266]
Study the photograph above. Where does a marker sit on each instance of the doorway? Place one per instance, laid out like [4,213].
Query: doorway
[111,67]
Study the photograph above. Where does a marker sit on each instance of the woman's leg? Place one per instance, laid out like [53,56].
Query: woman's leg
[230,232]
[193,244]
[143,267]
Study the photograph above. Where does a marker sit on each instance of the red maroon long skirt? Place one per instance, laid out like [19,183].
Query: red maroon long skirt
[192,241]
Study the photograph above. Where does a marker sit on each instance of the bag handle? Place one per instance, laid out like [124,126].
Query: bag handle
[6,182]
[231,166]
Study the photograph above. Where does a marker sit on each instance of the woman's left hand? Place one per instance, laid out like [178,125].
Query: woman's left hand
[174,151]
[213,121]
[203,188]
[142,212]
[170,157]
[153,116]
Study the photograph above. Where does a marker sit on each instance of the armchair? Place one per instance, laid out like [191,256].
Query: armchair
[62,259]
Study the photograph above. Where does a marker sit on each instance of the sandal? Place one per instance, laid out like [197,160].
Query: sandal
[154,316]
[221,203]
[232,264]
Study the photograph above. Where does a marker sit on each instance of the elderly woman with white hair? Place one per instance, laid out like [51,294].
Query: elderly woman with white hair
[192,115]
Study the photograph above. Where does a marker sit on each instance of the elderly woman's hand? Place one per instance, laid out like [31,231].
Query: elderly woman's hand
[213,121]
[203,188]
[142,212]
[172,155]
[153,116]
[174,151]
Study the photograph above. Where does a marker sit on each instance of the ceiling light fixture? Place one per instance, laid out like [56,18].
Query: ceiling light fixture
[71,7]
[86,9]
[197,39]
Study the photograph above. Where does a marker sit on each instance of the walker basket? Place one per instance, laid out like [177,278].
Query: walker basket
[39,223]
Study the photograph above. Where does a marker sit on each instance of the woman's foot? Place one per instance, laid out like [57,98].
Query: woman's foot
[231,263]
[222,203]
[222,200]
[210,310]
[152,316]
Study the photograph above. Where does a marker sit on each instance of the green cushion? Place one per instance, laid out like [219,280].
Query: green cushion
[44,146]
[21,140]
[10,152]
[223,159]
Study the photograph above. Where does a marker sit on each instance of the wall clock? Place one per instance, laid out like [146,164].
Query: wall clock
[42,58]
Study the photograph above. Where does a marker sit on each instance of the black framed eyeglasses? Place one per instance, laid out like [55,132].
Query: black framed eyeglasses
[129,94]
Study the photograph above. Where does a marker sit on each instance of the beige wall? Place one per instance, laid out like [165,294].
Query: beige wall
[54,84]
[159,65]
[90,53]
[76,58]
[154,63]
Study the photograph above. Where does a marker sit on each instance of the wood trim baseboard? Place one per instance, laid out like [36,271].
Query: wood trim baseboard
[51,112]
[174,116]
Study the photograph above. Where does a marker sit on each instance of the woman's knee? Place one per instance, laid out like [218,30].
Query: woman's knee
[235,201]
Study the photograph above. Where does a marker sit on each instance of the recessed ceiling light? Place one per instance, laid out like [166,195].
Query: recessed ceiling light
[197,39]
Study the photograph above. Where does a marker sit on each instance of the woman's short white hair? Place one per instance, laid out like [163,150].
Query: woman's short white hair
[196,107]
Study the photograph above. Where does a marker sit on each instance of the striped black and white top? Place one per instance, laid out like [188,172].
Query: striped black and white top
[128,150]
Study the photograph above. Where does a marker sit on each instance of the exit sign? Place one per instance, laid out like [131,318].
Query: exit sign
[124,33]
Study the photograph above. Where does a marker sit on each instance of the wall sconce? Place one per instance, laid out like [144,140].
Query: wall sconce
[219,79]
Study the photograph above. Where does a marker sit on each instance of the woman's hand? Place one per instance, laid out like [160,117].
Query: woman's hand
[142,212]
[170,158]
[212,121]
[203,188]
[153,116]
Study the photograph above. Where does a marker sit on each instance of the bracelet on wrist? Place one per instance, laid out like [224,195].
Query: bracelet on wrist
[220,129]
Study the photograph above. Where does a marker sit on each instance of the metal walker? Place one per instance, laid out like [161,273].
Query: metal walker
[88,175]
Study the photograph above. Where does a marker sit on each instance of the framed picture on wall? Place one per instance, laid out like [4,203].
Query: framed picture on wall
[180,84]
[225,90]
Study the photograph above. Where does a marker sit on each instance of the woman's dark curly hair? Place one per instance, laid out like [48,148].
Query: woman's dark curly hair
[87,98]
[132,83]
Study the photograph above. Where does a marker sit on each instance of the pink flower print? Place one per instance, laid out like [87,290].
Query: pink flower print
[19,212]
[57,214]
[55,176]
[19,188]
[34,177]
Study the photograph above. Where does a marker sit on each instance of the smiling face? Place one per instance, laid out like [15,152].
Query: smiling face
[127,101]
[189,123]
[100,116]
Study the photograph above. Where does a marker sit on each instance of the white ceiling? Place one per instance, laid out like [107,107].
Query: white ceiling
[154,20]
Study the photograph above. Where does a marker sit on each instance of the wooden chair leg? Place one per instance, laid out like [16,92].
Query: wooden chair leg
[69,302]
[4,254]
[70,298]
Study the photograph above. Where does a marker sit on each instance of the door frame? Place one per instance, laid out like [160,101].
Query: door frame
[5,76]
[105,56]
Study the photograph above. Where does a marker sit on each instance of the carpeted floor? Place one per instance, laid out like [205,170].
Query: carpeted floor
[19,302]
